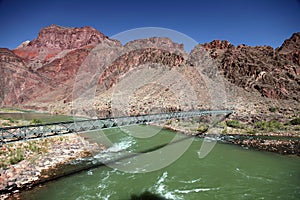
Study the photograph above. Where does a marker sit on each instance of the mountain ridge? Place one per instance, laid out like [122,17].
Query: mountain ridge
[51,62]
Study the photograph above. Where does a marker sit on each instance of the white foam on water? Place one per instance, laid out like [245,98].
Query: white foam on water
[84,197]
[192,181]
[195,190]
[103,197]
[263,179]
[90,173]
[161,188]
[116,150]
[103,188]
[106,197]
[121,146]
[106,175]
[211,139]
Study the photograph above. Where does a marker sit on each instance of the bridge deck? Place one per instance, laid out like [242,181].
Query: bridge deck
[16,133]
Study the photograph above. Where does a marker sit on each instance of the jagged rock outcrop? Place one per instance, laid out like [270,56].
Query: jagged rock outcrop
[274,73]
[290,50]
[57,37]
[290,45]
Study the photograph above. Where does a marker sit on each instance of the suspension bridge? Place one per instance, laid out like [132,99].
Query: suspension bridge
[17,133]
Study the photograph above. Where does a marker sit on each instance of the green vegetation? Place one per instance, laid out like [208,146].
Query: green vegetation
[273,109]
[222,124]
[225,131]
[202,128]
[251,131]
[14,153]
[17,156]
[37,148]
[11,156]
[11,120]
[297,128]
[29,116]
[35,121]
[6,124]
[269,126]
[234,124]
[168,122]
[295,121]
[55,118]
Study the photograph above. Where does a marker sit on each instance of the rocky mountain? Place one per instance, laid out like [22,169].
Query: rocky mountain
[47,65]
[272,72]
[43,73]
[55,41]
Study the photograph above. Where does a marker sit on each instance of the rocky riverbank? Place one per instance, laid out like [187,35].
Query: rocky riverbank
[287,147]
[24,164]
[287,143]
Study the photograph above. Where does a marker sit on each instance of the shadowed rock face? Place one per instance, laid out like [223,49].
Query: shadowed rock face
[44,70]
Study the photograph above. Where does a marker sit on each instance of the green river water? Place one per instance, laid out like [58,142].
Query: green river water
[227,172]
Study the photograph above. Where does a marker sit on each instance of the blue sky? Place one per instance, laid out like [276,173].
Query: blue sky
[251,22]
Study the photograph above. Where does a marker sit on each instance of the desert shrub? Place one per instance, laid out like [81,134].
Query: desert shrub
[225,131]
[272,109]
[251,131]
[17,157]
[168,122]
[276,125]
[297,128]
[6,124]
[202,128]
[269,126]
[234,124]
[12,120]
[33,147]
[35,121]
[295,121]
[262,125]
[3,163]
